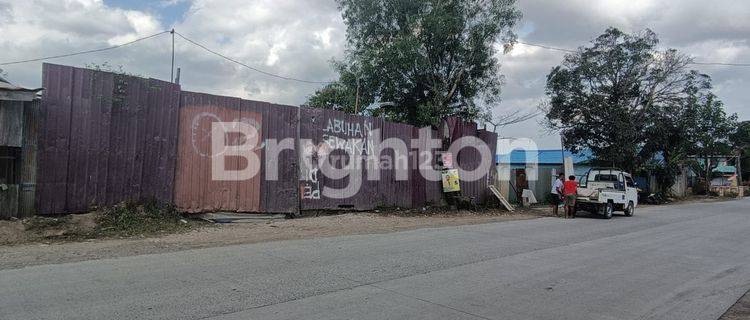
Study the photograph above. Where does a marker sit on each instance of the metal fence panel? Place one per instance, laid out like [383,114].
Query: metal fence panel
[104,138]
[196,190]
[280,124]
[331,132]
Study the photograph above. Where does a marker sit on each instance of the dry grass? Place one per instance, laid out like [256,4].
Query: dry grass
[120,221]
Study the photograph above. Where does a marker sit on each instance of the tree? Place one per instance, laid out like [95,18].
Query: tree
[712,132]
[600,95]
[634,106]
[741,137]
[420,61]
[741,141]
[690,124]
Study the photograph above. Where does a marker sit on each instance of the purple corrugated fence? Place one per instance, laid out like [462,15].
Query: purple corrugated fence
[106,138]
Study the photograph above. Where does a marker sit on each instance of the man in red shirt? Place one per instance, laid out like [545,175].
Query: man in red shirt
[571,192]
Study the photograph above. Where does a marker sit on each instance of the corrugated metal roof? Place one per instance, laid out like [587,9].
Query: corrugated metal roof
[6,85]
[726,169]
[549,156]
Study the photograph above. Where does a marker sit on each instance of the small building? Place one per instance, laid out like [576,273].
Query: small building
[724,176]
[18,110]
[535,170]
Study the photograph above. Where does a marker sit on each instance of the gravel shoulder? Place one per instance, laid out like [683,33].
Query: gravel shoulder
[18,249]
[30,254]
[740,310]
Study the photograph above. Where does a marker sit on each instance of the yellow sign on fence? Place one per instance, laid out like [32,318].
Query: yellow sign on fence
[451,181]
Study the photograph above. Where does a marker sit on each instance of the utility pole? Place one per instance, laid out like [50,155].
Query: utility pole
[562,152]
[171,76]
[739,169]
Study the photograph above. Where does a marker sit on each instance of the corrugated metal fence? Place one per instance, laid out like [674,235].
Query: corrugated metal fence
[103,139]
[106,138]
[196,191]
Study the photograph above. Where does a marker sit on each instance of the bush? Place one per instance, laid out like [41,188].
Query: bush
[131,218]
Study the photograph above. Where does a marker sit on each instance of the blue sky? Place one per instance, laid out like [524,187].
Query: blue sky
[169,12]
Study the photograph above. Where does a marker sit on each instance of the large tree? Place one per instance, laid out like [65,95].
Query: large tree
[419,61]
[741,141]
[635,106]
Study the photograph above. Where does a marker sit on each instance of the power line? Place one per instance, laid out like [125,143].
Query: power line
[290,78]
[545,47]
[693,63]
[247,66]
[84,52]
[722,64]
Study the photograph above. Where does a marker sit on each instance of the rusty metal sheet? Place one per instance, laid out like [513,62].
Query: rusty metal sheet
[9,202]
[11,123]
[29,156]
[195,188]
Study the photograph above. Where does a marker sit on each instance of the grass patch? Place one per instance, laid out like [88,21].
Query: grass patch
[38,223]
[129,219]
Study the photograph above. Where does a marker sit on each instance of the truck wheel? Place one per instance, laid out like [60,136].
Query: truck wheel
[630,210]
[608,210]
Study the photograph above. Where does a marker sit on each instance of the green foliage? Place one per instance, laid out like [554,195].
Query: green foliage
[106,67]
[741,141]
[130,218]
[741,137]
[628,103]
[420,61]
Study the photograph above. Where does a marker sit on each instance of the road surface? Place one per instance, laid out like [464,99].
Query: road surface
[687,261]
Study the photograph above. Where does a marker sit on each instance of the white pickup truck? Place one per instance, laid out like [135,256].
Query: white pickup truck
[605,190]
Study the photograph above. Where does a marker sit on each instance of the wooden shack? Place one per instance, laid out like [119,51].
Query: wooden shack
[19,108]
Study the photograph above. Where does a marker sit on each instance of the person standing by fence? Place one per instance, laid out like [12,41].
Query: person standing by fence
[571,192]
[557,193]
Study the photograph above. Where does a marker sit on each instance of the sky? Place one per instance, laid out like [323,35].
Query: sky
[299,38]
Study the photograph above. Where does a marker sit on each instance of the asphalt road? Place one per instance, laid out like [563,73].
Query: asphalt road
[671,262]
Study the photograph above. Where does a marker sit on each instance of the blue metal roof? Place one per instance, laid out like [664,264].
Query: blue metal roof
[726,169]
[550,156]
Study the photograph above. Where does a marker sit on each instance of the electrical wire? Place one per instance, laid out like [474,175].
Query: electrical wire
[721,64]
[84,52]
[291,78]
[545,47]
[247,66]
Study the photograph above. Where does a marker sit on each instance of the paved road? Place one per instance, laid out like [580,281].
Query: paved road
[672,262]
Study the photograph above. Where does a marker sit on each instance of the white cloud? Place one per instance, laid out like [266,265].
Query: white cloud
[718,31]
[298,38]
[285,37]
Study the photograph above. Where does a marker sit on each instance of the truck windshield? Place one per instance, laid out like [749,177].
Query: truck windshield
[606,177]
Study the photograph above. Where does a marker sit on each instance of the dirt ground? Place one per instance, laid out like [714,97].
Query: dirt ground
[740,310]
[20,254]
[54,241]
